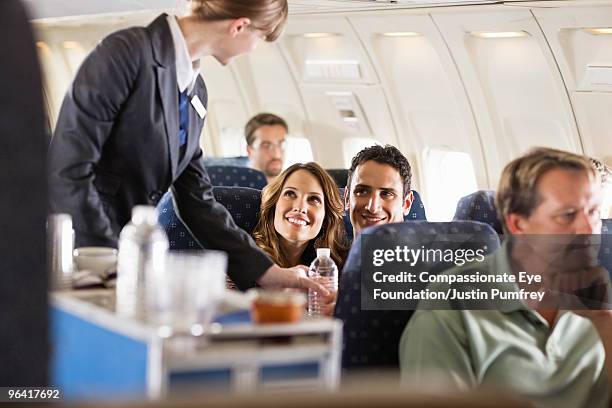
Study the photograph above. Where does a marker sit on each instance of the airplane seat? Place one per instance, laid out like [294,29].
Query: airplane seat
[234,176]
[605,252]
[417,210]
[238,161]
[339,175]
[479,206]
[371,337]
[416,213]
[242,203]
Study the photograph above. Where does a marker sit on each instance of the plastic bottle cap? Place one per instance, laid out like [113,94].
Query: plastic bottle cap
[144,214]
[323,252]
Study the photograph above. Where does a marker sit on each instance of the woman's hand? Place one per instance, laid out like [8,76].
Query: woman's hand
[277,277]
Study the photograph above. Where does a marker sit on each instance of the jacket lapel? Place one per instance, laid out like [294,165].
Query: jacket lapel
[163,52]
[166,82]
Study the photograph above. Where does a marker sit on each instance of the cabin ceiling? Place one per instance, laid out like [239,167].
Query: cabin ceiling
[60,10]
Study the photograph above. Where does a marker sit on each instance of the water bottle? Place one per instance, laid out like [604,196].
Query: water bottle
[60,237]
[324,271]
[143,245]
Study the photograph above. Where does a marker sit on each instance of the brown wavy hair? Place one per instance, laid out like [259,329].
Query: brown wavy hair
[332,234]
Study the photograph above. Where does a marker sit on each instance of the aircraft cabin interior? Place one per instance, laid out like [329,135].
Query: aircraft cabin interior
[460,88]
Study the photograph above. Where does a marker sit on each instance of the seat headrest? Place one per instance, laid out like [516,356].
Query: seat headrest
[239,161]
[234,176]
[243,204]
[479,206]
[340,176]
[371,337]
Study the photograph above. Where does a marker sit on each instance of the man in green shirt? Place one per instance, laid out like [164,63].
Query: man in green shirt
[550,356]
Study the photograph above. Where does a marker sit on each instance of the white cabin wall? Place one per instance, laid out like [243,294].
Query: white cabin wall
[491,98]
[515,88]
[269,86]
[585,60]
[63,45]
[340,90]
[426,98]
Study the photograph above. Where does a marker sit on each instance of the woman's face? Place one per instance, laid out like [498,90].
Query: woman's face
[300,208]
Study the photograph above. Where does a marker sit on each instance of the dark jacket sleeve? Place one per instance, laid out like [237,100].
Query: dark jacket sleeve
[212,225]
[91,106]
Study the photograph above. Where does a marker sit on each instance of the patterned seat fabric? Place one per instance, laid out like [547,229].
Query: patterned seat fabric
[417,213]
[234,176]
[242,203]
[417,210]
[238,161]
[371,337]
[339,176]
[479,206]
[605,252]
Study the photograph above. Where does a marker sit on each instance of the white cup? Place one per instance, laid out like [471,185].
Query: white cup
[100,260]
[183,298]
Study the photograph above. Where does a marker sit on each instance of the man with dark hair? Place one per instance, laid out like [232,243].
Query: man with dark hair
[265,135]
[378,187]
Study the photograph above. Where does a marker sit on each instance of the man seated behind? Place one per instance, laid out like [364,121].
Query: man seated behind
[550,356]
[265,135]
[378,187]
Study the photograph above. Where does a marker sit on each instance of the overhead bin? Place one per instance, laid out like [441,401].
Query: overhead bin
[326,50]
[582,43]
[339,87]
[513,82]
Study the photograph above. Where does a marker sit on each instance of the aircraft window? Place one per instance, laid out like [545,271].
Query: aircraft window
[352,145]
[449,175]
[297,150]
[73,54]
[232,142]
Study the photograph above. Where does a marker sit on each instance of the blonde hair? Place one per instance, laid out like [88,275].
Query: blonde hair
[517,192]
[332,234]
[268,16]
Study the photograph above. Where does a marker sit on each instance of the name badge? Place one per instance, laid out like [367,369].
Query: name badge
[197,105]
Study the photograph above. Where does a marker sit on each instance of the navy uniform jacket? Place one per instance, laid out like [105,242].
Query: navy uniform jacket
[116,146]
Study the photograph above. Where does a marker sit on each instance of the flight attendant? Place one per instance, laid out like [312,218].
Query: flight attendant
[129,129]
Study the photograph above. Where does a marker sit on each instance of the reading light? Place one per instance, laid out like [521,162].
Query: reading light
[42,45]
[401,34]
[318,35]
[599,31]
[71,45]
[499,34]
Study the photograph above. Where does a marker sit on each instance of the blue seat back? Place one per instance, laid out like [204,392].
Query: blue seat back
[339,175]
[605,252]
[371,337]
[238,161]
[417,210]
[417,213]
[479,206]
[242,203]
[234,176]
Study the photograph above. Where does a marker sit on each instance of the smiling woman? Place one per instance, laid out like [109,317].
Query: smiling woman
[301,211]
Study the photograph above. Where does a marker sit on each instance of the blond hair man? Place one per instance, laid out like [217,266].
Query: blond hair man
[549,356]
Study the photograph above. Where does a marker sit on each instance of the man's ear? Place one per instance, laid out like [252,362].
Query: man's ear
[238,25]
[345,198]
[249,150]
[408,202]
[515,223]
